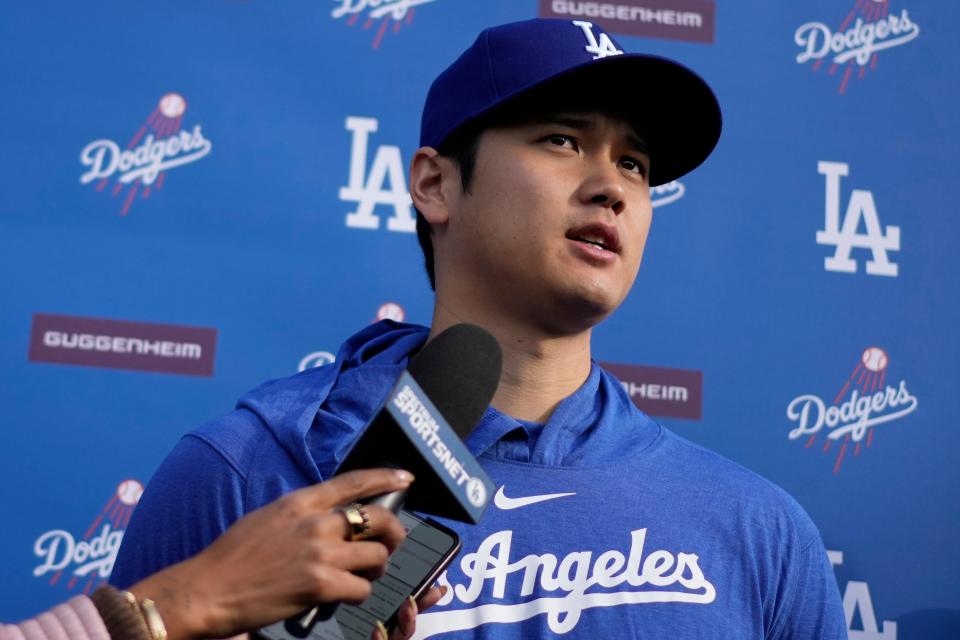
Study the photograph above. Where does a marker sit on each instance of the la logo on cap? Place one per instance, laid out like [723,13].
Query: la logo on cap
[602,48]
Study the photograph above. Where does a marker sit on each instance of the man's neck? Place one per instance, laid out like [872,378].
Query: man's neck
[539,369]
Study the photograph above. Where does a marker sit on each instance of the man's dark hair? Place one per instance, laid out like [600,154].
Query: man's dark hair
[461,148]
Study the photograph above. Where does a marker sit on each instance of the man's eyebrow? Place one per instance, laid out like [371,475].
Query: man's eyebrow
[580,123]
[568,120]
[639,144]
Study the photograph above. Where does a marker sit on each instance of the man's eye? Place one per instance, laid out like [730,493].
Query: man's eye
[633,165]
[561,140]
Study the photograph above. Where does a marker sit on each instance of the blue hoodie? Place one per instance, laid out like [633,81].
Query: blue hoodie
[604,524]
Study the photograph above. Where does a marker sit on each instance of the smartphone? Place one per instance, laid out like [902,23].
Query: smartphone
[416,564]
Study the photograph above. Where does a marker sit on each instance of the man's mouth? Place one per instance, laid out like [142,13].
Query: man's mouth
[597,235]
[594,240]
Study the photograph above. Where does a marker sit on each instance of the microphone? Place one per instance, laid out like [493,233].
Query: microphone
[434,405]
[424,421]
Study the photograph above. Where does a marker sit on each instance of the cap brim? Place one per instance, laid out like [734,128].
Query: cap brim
[676,112]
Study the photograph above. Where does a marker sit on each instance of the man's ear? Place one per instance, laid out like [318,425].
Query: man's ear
[427,174]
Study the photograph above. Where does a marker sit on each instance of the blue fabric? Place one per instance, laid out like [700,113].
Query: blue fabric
[636,533]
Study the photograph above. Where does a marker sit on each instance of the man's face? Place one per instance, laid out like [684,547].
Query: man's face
[555,222]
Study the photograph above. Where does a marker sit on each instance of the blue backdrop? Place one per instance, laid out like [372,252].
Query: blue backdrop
[186,165]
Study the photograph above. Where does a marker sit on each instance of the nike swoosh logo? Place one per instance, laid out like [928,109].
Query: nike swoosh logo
[505,503]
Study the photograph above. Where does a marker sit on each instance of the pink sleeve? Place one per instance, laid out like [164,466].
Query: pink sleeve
[76,619]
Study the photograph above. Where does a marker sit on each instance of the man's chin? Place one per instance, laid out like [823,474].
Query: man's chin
[580,310]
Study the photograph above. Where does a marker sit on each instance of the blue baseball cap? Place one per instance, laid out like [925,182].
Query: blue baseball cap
[672,108]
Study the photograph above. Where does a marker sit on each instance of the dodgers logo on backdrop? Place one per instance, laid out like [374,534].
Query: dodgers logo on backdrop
[630,575]
[390,311]
[857,601]
[846,236]
[866,401]
[385,14]
[89,559]
[385,183]
[316,359]
[869,28]
[666,193]
[159,145]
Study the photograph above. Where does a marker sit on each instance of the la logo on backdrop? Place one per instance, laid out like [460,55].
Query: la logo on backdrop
[88,561]
[844,234]
[868,28]
[159,145]
[385,14]
[858,605]
[865,401]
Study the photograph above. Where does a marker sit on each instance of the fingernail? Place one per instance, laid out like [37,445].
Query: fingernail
[443,590]
[382,630]
[413,604]
[404,476]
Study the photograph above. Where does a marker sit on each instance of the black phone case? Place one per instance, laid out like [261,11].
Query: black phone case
[439,568]
[427,581]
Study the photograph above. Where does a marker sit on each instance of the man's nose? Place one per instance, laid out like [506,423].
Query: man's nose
[602,185]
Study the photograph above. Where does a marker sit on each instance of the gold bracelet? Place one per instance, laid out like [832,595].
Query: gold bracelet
[152,617]
[120,613]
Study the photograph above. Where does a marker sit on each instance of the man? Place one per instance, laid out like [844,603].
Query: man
[539,147]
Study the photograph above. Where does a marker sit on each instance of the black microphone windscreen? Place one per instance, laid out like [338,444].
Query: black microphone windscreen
[459,370]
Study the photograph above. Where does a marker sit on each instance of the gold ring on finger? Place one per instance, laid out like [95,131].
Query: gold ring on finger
[358,519]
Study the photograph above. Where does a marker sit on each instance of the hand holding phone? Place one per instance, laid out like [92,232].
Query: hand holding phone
[416,564]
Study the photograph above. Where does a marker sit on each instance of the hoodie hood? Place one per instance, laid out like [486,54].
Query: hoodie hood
[317,414]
